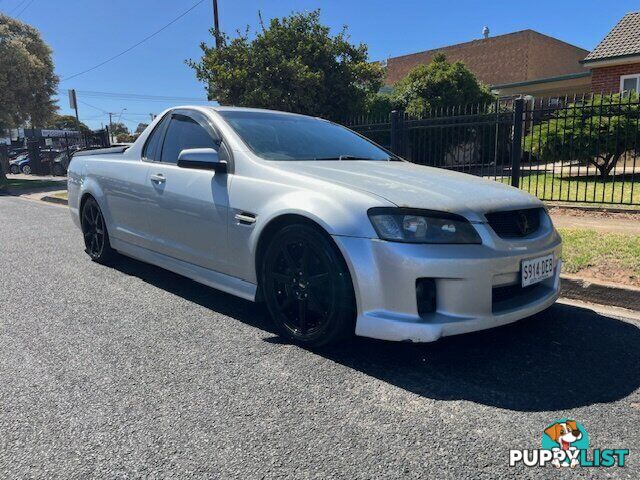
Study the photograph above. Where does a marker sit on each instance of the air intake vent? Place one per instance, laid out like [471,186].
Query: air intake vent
[515,223]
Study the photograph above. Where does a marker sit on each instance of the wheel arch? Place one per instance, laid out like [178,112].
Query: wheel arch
[278,223]
[83,199]
[91,188]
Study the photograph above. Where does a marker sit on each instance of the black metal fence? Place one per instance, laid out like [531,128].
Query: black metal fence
[578,149]
[45,159]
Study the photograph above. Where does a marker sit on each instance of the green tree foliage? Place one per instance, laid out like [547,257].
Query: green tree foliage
[118,128]
[121,132]
[67,122]
[140,128]
[27,79]
[439,84]
[380,104]
[294,64]
[598,131]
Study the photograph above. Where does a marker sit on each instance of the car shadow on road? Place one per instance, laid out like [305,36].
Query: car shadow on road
[563,358]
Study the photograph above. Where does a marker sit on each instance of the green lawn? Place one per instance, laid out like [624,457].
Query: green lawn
[21,183]
[605,251]
[547,186]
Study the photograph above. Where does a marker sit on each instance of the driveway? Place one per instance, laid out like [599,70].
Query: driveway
[132,371]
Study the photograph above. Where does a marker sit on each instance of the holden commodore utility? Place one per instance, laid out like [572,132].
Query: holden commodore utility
[332,232]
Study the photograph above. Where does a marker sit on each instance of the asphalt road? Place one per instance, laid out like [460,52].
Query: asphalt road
[132,371]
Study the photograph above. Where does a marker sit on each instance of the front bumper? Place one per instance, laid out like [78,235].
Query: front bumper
[384,275]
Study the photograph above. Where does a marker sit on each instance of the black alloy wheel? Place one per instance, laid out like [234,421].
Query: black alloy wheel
[307,287]
[94,230]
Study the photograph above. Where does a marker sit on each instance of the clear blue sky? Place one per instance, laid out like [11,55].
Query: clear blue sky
[83,33]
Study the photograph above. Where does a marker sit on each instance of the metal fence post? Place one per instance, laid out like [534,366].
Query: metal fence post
[516,144]
[397,117]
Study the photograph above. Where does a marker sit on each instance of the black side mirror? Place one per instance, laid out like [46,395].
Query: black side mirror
[201,159]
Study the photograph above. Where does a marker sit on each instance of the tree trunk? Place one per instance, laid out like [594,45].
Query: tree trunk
[611,165]
[3,179]
[608,163]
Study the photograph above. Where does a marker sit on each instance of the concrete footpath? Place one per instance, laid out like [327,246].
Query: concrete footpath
[610,222]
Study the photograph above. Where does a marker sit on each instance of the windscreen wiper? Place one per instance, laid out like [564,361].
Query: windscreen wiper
[347,157]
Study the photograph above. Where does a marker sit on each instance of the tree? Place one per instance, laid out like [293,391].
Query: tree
[118,128]
[380,104]
[439,84]
[121,132]
[598,131]
[125,138]
[140,128]
[295,65]
[67,122]
[27,79]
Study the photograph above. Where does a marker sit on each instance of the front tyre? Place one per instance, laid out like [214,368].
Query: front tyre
[94,230]
[307,287]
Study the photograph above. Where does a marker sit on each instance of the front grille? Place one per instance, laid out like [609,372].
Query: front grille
[513,296]
[515,223]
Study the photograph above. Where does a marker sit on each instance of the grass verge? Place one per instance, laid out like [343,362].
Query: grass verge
[613,257]
[62,195]
[23,184]
[547,186]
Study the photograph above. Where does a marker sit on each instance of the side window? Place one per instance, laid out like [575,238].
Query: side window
[185,132]
[152,147]
[629,84]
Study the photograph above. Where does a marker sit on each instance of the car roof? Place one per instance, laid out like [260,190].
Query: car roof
[222,108]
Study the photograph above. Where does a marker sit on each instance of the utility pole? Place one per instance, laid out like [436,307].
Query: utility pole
[110,125]
[216,26]
[73,103]
[152,116]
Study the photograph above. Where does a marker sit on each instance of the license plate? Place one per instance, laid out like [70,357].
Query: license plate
[535,270]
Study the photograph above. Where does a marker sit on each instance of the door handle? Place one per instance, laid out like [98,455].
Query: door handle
[157,178]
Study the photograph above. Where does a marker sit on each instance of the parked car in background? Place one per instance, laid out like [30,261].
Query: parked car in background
[335,234]
[15,165]
[61,163]
[22,164]
[25,166]
[16,152]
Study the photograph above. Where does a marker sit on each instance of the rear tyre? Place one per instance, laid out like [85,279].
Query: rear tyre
[94,230]
[26,169]
[307,287]
[15,169]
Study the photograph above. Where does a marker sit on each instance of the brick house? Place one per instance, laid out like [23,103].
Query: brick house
[615,62]
[519,62]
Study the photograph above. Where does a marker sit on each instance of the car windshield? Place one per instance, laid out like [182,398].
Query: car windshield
[281,136]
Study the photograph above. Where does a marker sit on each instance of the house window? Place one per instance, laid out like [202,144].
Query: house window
[630,83]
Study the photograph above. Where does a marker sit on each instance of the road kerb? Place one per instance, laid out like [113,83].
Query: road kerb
[600,292]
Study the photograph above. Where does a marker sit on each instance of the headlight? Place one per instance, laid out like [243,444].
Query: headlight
[421,226]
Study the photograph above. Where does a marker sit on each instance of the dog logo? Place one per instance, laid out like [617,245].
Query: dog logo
[565,443]
[566,436]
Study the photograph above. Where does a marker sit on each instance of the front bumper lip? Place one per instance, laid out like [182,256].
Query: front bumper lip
[386,325]
[384,275]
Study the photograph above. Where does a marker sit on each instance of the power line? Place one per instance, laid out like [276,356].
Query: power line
[17,7]
[25,7]
[96,108]
[138,96]
[135,45]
